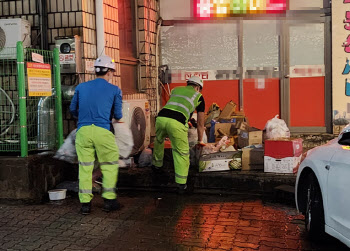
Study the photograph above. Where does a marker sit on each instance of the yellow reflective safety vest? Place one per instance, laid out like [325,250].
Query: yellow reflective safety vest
[183,99]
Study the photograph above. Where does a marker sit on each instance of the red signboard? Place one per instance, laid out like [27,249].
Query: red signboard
[228,8]
[203,75]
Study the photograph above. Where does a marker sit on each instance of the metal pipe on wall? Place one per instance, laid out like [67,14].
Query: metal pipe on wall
[159,24]
[100,31]
[138,48]
[240,64]
[43,23]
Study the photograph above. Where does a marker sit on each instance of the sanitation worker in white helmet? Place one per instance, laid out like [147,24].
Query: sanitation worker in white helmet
[95,103]
[172,122]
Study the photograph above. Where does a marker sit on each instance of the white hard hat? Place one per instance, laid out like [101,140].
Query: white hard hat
[103,63]
[195,80]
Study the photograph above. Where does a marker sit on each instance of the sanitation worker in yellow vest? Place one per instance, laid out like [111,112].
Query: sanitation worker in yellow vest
[95,103]
[172,122]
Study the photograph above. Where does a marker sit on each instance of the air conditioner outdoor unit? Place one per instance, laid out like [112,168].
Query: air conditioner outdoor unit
[136,114]
[12,31]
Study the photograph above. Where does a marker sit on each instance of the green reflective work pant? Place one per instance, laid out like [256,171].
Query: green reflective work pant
[177,132]
[94,141]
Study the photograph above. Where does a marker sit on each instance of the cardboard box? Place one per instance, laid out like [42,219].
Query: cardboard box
[217,156]
[282,165]
[252,159]
[235,138]
[214,165]
[216,161]
[242,125]
[225,129]
[234,118]
[251,137]
[240,113]
[228,110]
[337,129]
[282,148]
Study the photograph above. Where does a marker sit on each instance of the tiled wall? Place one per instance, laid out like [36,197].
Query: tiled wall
[88,41]
[110,9]
[26,9]
[148,15]
[65,18]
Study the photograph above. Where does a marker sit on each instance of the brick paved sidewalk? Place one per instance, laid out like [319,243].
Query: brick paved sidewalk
[151,221]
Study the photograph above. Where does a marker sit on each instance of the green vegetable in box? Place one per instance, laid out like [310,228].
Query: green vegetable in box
[236,162]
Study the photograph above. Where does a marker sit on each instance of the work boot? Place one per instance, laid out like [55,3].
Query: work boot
[85,208]
[181,189]
[111,205]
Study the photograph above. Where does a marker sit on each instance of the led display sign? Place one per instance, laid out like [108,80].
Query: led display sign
[230,8]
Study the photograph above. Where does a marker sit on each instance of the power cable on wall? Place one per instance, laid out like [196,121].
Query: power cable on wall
[151,63]
[4,131]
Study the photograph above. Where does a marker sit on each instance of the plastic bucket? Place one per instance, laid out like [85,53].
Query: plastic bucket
[57,194]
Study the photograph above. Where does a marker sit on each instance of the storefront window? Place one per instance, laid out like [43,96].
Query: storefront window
[260,43]
[202,46]
[307,44]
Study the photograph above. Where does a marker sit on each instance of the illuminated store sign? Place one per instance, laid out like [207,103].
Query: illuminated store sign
[230,8]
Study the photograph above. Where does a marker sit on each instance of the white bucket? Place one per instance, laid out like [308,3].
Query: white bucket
[57,194]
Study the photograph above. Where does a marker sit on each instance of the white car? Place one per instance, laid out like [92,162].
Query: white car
[322,190]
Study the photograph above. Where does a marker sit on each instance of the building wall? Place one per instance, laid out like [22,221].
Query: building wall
[341,102]
[112,35]
[182,9]
[65,18]
[210,49]
[77,17]
[148,15]
[26,9]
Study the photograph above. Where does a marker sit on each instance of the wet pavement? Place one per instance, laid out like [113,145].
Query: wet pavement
[158,221]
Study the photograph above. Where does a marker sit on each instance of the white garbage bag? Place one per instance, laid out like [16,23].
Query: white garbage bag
[67,151]
[193,141]
[276,128]
[205,138]
[193,137]
[124,139]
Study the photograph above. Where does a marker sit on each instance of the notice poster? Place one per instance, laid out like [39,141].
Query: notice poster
[39,79]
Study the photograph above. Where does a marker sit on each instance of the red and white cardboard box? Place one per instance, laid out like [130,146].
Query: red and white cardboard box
[282,165]
[282,148]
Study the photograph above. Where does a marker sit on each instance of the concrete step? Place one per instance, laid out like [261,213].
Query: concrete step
[284,194]
[253,182]
[256,182]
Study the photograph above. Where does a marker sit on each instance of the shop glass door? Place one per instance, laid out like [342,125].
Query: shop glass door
[306,77]
[261,74]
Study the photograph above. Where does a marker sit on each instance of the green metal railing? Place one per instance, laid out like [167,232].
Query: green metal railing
[37,123]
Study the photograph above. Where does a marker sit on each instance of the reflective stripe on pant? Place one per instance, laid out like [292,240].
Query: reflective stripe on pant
[90,140]
[177,132]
